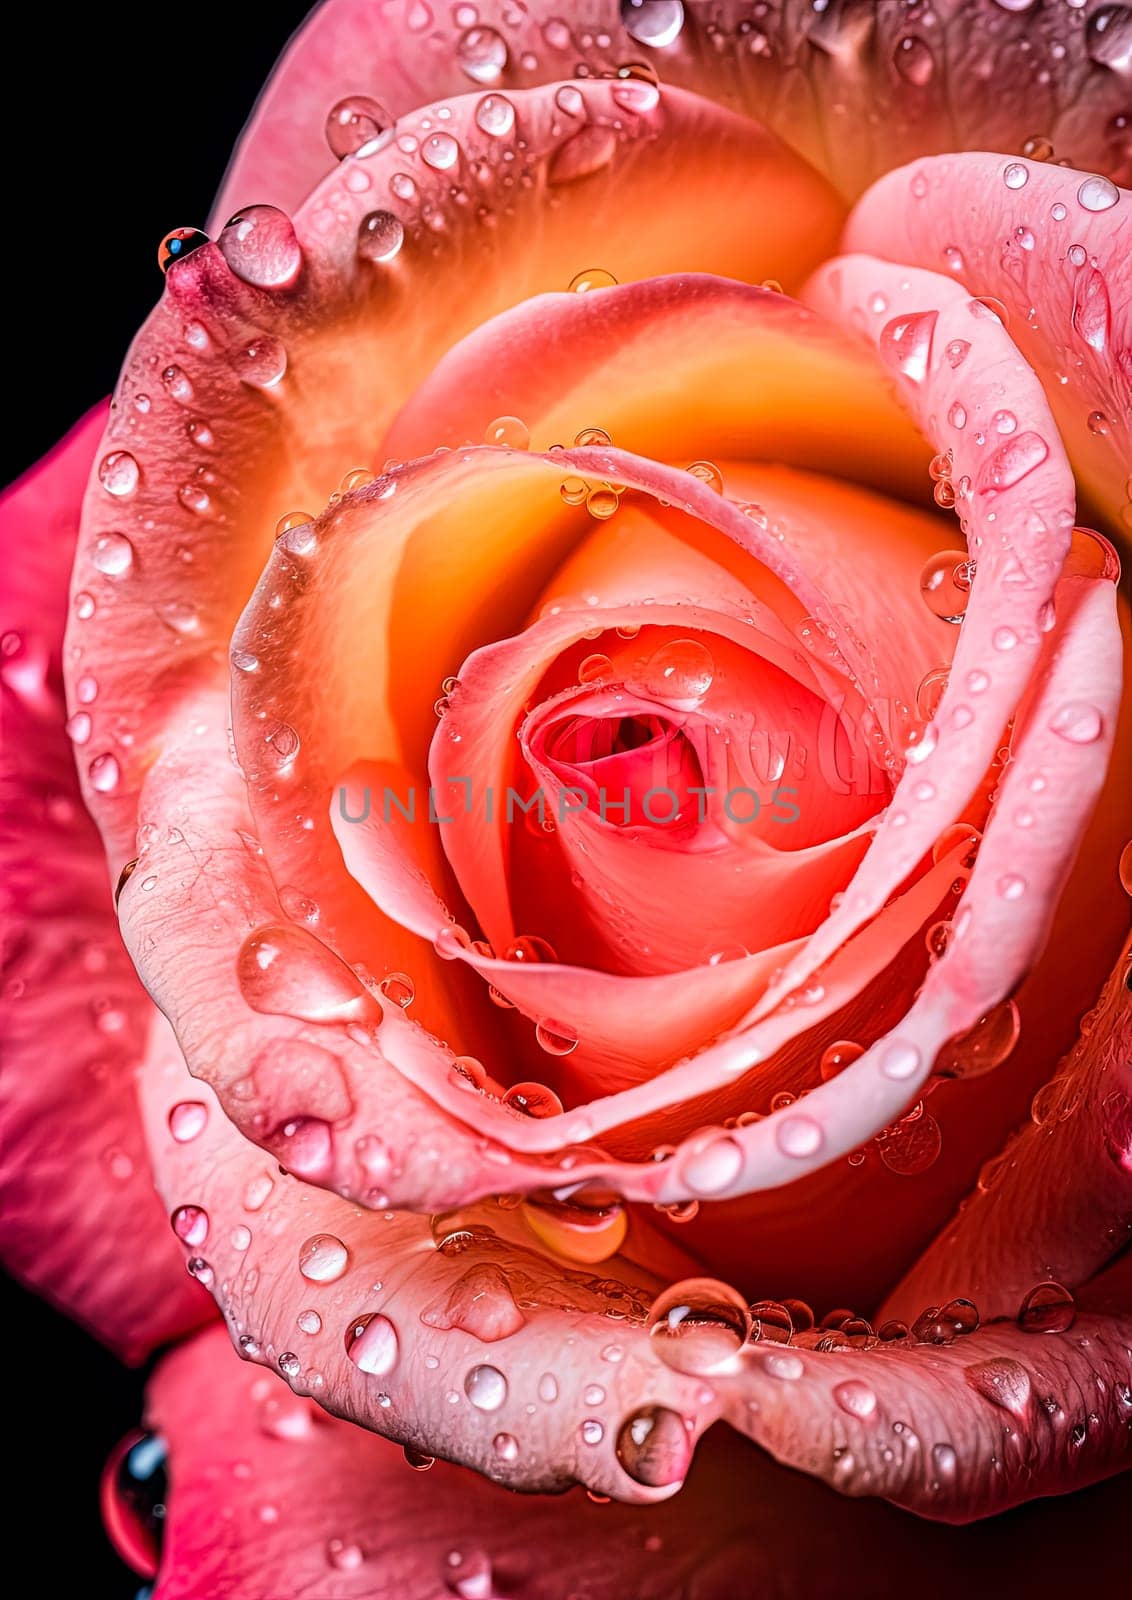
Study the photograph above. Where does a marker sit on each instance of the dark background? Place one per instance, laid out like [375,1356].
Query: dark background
[117,126]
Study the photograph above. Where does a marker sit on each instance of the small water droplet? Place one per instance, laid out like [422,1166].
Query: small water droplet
[1048,1308]
[118,473]
[372,1344]
[380,236]
[354,124]
[486,1388]
[323,1258]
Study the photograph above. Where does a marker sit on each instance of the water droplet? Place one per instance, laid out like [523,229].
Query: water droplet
[323,1258]
[655,23]
[1003,1382]
[309,1322]
[911,1147]
[187,1120]
[113,555]
[178,244]
[1011,462]
[509,431]
[353,124]
[342,1556]
[399,988]
[591,1431]
[914,61]
[486,1388]
[707,472]
[945,584]
[836,1057]
[899,1060]
[1016,175]
[372,1345]
[440,152]
[380,236]
[699,1325]
[260,362]
[906,343]
[785,1366]
[591,278]
[680,674]
[1097,194]
[714,1166]
[982,1047]
[548,1388]
[800,1137]
[118,473]
[855,1398]
[260,246]
[1048,1308]
[190,1224]
[482,54]
[654,1447]
[104,773]
[555,1039]
[285,971]
[1078,722]
[469,1575]
[506,1447]
[533,1100]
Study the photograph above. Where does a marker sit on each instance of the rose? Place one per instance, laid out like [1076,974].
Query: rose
[272,931]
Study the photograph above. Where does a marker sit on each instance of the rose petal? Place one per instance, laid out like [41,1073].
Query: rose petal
[297,339]
[1051,245]
[855,87]
[441,1336]
[1057,1202]
[73,1169]
[321,1503]
[956,1430]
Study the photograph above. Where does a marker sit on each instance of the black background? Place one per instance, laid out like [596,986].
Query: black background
[117,126]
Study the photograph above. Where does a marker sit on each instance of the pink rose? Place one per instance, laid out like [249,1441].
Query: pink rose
[614,771]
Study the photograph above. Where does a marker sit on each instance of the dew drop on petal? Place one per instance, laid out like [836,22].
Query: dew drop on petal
[836,1057]
[591,278]
[260,246]
[713,1166]
[906,343]
[984,1046]
[654,1447]
[1078,722]
[323,1258]
[118,473]
[113,555]
[372,1344]
[1047,1308]
[699,1325]
[355,123]
[380,236]
[799,1136]
[1097,194]
[855,1398]
[482,54]
[187,1120]
[495,115]
[655,23]
[486,1388]
[190,1224]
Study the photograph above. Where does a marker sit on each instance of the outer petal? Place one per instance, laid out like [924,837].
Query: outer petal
[316,1507]
[1054,247]
[73,1165]
[1057,1202]
[856,85]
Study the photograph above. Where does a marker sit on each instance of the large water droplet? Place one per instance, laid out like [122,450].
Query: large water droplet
[113,555]
[482,55]
[495,115]
[354,124]
[906,343]
[118,473]
[190,1224]
[260,246]
[486,1388]
[440,152]
[1003,1382]
[1048,1308]
[699,1325]
[285,971]
[714,1166]
[323,1258]
[680,674]
[655,23]
[855,1398]
[1097,194]
[654,1447]
[187,1120]
[380,236]
[1078,722]
[983,1046]
[371,1344]
[945,584]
